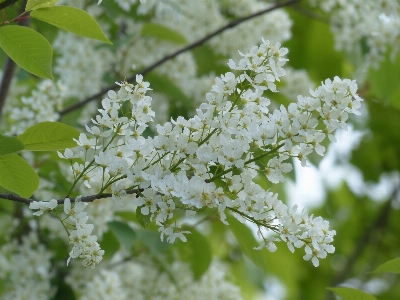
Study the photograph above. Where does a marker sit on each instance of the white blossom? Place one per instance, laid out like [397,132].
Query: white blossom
[43,206]
[178,167]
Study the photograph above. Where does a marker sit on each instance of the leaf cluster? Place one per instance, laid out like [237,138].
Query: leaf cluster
[29,49]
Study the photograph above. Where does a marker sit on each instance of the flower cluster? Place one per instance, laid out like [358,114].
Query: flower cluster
[26,269]
[193,20]
[42,105]
[78,67]
[210,161]
[365,27]
[85,244]
[142,278]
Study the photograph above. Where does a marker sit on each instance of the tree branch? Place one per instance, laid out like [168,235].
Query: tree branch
[10,65]
[175,54]
[7,3]
[310,14]
[90,198]
[8,75]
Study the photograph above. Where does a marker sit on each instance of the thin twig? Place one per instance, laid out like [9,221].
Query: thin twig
[90,198]
[175,54]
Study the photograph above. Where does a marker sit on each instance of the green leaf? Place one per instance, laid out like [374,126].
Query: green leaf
[381,147]
[180,104]
[246,240]
[109,243]
[167,86]
[64,291]
[310,39]
[352,294]
[28,49]
[115,11]
[124,234]
[144,220]
[196,251]
[17,175]
[71,19]
[209,62]
[385,81]
[36,4]
[151,239]
[391,266]
[163,33]
[49,136]
[9,145]
[127,215]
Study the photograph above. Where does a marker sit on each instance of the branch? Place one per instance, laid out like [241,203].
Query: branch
[8,75]
[90,198]
[7,3]
[10,65]
[175,54]
[310,14]
[378,225]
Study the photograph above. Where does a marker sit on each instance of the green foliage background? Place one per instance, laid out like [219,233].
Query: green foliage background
[368,232]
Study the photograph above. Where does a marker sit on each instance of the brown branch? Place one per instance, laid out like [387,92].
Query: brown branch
[310,14]
[8,75]
[90,198]
[175,54]
[9,67]
[7,3]
[378,225]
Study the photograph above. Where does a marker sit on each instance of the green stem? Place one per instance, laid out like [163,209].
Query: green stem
[264,154]
[219,175]
[110,183]
[273,228]
[208,136]
[79,177]
[4,17]
[153,163]
[90,164]
[62,222]
[175,166]
[19,18]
